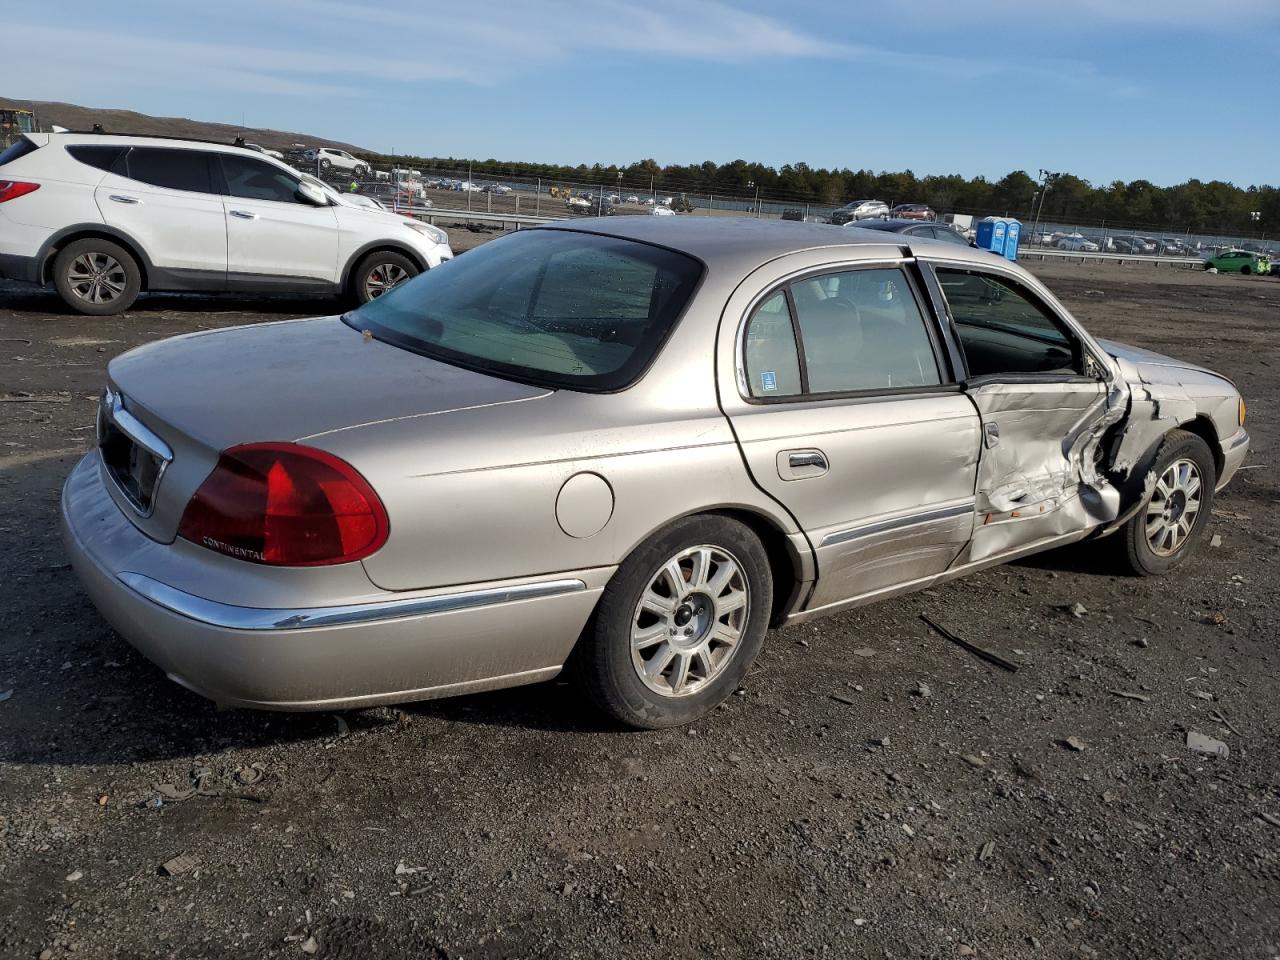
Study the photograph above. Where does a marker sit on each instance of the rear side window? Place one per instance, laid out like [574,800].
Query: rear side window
[772,360]
[256,180]
[174,169]
[104,158]
[863,330]
[838,333]
[19,148]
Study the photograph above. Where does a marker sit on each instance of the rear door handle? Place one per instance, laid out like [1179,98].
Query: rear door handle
[802,464]
[991,431]
[121,198]
[244,214]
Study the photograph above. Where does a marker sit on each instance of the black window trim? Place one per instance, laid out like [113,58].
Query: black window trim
[929,267]
[908,265]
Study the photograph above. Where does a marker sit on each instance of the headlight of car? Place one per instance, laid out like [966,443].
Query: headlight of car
[434,234]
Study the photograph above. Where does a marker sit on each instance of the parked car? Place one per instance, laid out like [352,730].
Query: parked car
[860,210]
[1239,261]
[661,211]
[913,211]
[578,204]
[102,218]
[1127,243]
[913,228]
[1077,242]
[276,154]
[633,199]
[1169,247]
[339,161]
[604,440]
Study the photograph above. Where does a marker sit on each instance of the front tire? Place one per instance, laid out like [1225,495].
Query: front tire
[379,272]
[1171,522]
[678,625]
[96,277]
[1246,270]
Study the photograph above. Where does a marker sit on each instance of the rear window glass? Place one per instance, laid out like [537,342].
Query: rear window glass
[19,148]
[175,169]
[104,158]
[550,307]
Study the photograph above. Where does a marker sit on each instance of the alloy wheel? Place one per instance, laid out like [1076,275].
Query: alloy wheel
[96,278]
[1174,506]
[690,621]
[382,278]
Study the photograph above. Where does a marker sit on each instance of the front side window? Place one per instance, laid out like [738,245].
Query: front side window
[255,180]
[173,169]
[1003,330]
[551,307]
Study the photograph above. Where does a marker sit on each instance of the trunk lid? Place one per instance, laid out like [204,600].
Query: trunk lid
[288,381]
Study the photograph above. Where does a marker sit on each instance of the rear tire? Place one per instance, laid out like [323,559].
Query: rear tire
[96,277]
[1167,528]
[1246,270]
[379,272]
[661,652]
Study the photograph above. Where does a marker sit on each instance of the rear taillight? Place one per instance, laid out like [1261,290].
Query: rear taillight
[12,189]
[285,505]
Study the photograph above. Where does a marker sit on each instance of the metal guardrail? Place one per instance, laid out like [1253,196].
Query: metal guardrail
[1082,255]
[477,216]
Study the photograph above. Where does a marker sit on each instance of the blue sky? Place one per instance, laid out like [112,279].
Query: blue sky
[1106,89]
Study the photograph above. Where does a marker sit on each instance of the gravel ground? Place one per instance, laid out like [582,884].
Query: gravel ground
[834,807]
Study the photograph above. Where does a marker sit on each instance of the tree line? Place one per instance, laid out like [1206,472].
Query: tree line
[1196,206]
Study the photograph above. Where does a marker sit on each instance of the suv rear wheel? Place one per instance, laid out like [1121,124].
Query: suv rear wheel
[96,277]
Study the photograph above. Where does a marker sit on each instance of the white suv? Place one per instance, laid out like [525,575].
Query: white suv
[327,157]
[104,217]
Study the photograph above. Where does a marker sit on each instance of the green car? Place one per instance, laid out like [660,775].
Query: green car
[1239,261]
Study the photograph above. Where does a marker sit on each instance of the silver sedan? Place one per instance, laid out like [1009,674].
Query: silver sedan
[628,446]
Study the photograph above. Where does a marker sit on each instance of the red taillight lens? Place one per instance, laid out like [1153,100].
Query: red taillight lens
[12,189]
[285,505]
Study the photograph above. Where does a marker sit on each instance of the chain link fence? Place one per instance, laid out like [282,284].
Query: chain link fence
[437,191]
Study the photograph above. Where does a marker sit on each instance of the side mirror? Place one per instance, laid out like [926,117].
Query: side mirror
[310,193]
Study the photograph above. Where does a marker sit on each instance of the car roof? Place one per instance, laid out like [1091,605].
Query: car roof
[892,225]
[743,243]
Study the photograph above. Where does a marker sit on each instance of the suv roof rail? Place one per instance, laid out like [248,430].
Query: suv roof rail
[98,131]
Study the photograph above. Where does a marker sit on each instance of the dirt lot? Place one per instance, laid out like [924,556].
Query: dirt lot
[827,810]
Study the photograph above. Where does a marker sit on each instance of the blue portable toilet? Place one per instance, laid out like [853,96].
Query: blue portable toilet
[991,234]
[1012,232]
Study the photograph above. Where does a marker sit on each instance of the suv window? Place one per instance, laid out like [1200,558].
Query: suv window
[19,148]
[174,169]
[257,180]
[1006,330]
[102,157]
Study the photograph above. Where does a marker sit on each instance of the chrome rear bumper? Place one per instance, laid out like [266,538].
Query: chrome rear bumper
[395,648]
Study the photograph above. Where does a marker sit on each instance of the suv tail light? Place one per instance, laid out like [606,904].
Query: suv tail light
[285,505]
[12,189]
